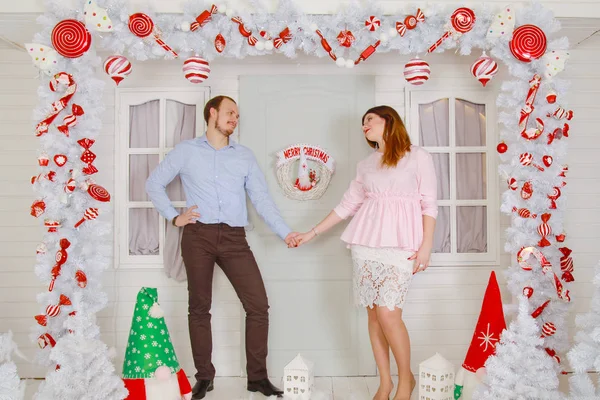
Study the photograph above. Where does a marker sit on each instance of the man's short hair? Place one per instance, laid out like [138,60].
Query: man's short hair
[215,103]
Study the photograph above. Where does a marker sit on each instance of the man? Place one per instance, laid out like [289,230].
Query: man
[216,174]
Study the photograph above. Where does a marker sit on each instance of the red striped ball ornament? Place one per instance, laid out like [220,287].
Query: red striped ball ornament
[484,68]
[417,71]
[117,67]
[196,69]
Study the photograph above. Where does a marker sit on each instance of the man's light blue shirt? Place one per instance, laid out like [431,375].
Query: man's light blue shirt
[216,181]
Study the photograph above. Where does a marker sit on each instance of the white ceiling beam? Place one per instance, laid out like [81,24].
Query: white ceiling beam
[561,8]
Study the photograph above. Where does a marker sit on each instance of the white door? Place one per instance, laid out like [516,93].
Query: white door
[310,288]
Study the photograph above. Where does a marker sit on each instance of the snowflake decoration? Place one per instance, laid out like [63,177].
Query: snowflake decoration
[154,343]
[147,356]
[150,325]
[137,369]
[487,339]
[145,306]
[138,319]
[143,337]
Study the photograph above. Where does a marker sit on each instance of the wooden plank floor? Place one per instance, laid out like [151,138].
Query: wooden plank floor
[326,388]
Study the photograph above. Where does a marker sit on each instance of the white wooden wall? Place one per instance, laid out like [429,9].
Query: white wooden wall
[449,296]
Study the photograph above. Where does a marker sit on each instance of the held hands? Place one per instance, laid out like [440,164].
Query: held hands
[421,258]
[302,238]
[290,239]
[188,217]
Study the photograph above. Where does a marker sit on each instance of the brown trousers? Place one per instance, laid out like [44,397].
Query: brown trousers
[202,246]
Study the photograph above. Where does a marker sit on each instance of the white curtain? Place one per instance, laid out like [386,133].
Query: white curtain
[470,171]
[143,133]
[434,123]
[471,177]
[180,124]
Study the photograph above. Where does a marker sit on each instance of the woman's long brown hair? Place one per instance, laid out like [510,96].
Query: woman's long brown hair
[395,136]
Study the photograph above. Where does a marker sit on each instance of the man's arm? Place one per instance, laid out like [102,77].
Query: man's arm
[163,174]
[256,187]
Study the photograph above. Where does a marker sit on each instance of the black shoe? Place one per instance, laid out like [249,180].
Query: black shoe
[265,387]
[201,387]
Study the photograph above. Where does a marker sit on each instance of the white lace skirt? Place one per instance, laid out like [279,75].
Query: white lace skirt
[381,276]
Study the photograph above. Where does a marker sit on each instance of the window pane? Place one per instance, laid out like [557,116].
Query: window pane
[470,123]
[140,166]
[441,235]
[471,178]
[144,125]
[143,231]
[471,224]
[441,162]
[180,122]
[433,123]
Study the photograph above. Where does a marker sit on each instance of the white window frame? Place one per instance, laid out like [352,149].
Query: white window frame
[415,97]
[124,99]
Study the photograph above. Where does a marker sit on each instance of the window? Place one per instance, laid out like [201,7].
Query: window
[149,124]
[457,128]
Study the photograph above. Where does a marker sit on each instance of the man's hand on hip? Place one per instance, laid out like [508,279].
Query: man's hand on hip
[188,217]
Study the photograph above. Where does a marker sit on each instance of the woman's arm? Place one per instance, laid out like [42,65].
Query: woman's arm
[349,205]
[331,220]
[428,190]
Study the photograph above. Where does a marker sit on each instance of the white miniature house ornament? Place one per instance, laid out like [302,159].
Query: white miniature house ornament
[298,378]
[436,379]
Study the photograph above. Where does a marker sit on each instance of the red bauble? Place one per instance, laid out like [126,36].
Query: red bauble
[502,147]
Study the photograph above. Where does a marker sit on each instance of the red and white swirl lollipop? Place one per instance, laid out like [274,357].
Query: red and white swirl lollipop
[141,25]
[462,21]
[98,192]
[89,214]
[70,38]
[528,43]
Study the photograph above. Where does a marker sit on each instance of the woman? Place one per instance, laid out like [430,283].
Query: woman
[393,201]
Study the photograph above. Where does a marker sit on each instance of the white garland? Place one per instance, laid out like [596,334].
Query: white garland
[91,244]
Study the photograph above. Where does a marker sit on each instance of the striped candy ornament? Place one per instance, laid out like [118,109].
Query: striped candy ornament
[417,71]
[484,68]
[524,213]
[548,329]
[70,120]
[544,230]
[117,67]
[566,264]
[53,310]
[196,69]
[561,113]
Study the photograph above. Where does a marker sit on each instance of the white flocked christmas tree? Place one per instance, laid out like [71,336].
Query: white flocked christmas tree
[585,355]
[11,386]
[521,369]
